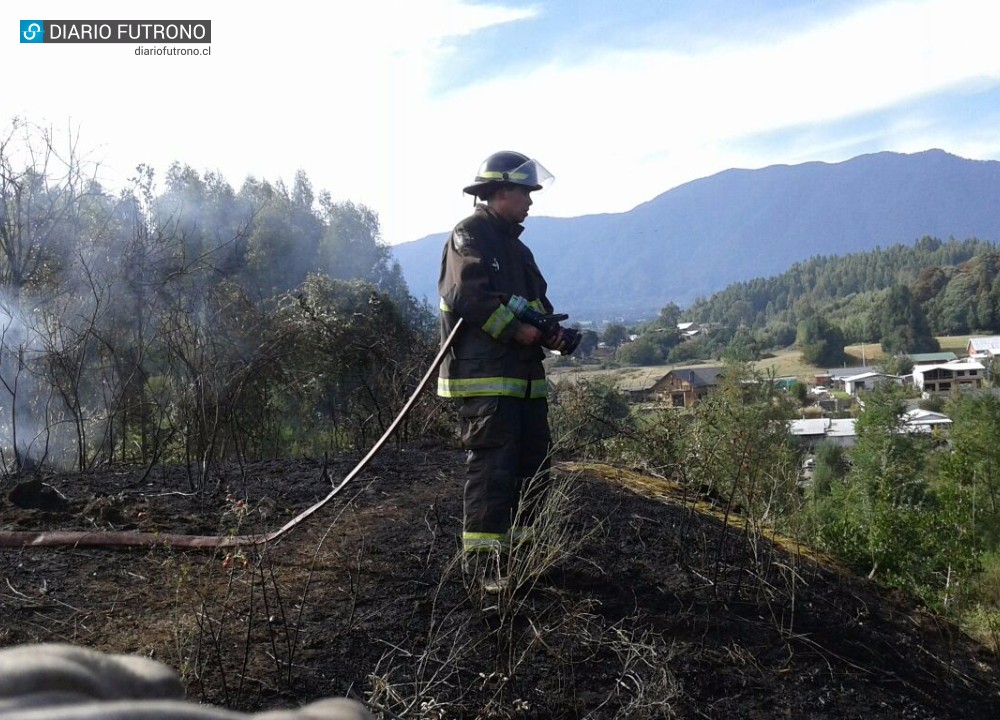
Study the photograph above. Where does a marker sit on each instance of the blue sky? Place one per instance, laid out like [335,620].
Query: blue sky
[394,104]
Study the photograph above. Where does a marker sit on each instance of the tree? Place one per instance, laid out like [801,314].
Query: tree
[669,317]
[821,342]
[885,518]
[614,335]
[831,467]
[900,324]
[974,462]
[588,413]
[284,238]
[739,448]
[742,348]
[41,191]
[49,201]
[897,365]
[644,351]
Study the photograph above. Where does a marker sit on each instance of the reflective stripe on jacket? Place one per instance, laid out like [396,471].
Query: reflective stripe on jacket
[483,263]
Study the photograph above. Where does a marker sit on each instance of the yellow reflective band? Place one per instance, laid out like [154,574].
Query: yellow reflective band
[496,322]
[539,389]
[494,175]
[442,305]
[481,542]
[482,387]
[492,387]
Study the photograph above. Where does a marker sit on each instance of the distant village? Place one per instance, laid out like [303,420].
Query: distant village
[836,391]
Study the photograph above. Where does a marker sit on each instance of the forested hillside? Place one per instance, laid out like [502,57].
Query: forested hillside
[953,283]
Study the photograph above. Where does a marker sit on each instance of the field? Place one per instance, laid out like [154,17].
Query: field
[785,363]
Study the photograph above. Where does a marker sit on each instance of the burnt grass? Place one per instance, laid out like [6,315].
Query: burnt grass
[660,608]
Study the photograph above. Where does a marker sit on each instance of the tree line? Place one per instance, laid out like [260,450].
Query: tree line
[180,319]
[952,286]
[900,297]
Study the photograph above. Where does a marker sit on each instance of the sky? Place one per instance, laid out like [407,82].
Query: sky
[395,103]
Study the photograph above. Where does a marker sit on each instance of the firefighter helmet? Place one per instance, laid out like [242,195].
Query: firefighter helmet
[508,167]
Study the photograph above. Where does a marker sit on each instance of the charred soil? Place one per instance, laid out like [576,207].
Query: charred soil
[640,603]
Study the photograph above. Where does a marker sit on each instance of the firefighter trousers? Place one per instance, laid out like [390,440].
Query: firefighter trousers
[508,444]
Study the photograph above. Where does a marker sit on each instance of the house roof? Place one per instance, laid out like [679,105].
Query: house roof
[846,372]
[865,376]
[638,382]
[982,344]
[700,377]
[828,427]
[960,365]
[918,358]
[841,427]
[919,417]
[808,426]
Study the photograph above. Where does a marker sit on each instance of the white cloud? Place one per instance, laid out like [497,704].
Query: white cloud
[346,92]
[625,125]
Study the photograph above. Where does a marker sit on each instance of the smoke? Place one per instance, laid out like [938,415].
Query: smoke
[23,436]
[127,321]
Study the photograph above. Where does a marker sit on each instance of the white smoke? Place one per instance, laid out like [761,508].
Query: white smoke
[23,425]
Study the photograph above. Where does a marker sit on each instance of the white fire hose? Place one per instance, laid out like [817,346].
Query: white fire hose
[74,538]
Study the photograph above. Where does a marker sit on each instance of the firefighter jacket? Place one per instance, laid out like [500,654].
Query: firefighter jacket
[483,264]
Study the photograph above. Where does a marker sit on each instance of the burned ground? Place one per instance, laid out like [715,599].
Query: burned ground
[654,607]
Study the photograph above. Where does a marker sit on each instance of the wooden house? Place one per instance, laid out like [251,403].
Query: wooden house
[683,387]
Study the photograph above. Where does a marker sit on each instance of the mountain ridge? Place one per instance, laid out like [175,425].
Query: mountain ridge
[740,224]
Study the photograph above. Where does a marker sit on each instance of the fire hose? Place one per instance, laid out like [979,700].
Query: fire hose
[73,538]
[563,340]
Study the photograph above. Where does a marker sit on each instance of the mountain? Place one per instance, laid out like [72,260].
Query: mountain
[742,224]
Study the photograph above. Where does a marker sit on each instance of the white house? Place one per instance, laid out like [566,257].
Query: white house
[813,431]
[837,376]
[942,379]
[918,420]
[688,329]
[983,348]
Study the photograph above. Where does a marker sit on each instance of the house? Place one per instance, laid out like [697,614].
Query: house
[837,375]
[638,387]
[868,381]
[786,383]
[687,330]
[943,379]
[918,420]
[683,387]
[932,358]
[983,348]
[813,431]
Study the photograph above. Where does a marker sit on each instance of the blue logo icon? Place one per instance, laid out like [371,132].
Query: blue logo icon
[32,31]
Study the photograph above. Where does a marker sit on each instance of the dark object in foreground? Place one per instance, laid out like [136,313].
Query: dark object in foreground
[56,681]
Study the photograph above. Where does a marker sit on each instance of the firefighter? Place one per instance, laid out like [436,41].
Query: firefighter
[494,366]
